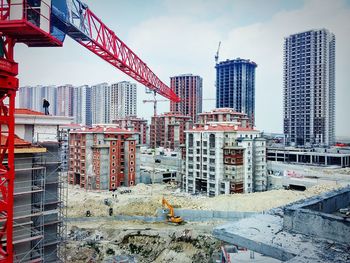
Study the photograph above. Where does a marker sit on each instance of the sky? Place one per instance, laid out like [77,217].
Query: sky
[181,36]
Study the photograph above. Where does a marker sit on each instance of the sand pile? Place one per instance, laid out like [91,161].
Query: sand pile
[144,200]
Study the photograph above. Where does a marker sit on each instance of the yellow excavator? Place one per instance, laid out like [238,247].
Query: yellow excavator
[171,218]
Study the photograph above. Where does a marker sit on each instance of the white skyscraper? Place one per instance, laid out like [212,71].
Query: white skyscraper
[309,88]
[32,98]
[65,100]
[100,103]
[49,93]
[82,105]
[123,100]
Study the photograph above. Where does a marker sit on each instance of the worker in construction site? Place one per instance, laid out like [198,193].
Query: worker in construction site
[46,106]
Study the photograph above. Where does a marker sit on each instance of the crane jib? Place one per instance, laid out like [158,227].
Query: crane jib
[74,18]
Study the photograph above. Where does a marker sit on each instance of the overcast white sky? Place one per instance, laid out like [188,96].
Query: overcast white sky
[181,36]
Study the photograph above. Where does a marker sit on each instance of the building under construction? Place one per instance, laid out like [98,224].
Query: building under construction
[39,189]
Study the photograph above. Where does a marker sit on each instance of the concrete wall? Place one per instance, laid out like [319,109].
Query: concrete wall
[202,215]
[316,216]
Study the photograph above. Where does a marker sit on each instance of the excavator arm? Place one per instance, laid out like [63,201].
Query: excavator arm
[171,215]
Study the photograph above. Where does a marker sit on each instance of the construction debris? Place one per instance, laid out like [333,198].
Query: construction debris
[156,244]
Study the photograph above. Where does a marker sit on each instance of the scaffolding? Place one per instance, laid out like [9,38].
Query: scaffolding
[40,198]
[28,225]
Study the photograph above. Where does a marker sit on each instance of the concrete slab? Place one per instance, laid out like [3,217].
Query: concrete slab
[264,234]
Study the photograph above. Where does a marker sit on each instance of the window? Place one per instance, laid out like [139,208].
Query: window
[190,140]
[212,140]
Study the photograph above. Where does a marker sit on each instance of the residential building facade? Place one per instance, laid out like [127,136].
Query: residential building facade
[100,103]
[235,86]
[133,123]
[123,98]
[221,115]
[65,97]
[167,130]
[103,158]
[82,111]
[189,88]
[309,88]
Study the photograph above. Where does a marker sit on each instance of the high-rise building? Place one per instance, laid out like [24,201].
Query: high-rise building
[50,94]
[32,98]
[65,100]
[100,103]
[82,105]
[235,86]
[167,130]
[189,88]
[123,100]
[309,88]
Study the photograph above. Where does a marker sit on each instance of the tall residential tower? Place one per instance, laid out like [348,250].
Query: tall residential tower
[235,86]
[123,100]
[309,88]
[189,88]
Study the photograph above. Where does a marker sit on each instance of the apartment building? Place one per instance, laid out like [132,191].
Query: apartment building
[133,123]
[167,130]
[189,88]
[309,88]
[123,98]
[221,115]
[224,159]
[103,158]
[235,86]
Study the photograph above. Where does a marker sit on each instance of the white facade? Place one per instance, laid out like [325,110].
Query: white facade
[39,128]
[82,105]
[224,160]
[65,100]
[309,88]
[32,98]
[100,103]
[123,100]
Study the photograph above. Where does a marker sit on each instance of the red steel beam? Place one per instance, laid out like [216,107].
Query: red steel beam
[104,43]
[8,88]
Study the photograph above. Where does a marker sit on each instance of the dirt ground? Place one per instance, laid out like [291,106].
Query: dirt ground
[146,199]
[140,242]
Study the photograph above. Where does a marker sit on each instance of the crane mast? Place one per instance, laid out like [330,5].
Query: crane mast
[217,53]
[45,23]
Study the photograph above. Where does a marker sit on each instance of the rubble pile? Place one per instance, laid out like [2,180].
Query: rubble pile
[140,245]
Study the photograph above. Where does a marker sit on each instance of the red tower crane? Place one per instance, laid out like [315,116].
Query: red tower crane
[45,23]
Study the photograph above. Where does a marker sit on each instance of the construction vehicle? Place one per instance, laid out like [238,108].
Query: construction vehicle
[171,218]
[46,23]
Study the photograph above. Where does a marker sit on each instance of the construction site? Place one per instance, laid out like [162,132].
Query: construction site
[138,231]
[78,194]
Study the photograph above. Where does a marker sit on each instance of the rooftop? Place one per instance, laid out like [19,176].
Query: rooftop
[221,128]
[173,114]
[105,130]
[23,111]
[223,110]
[22,146]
